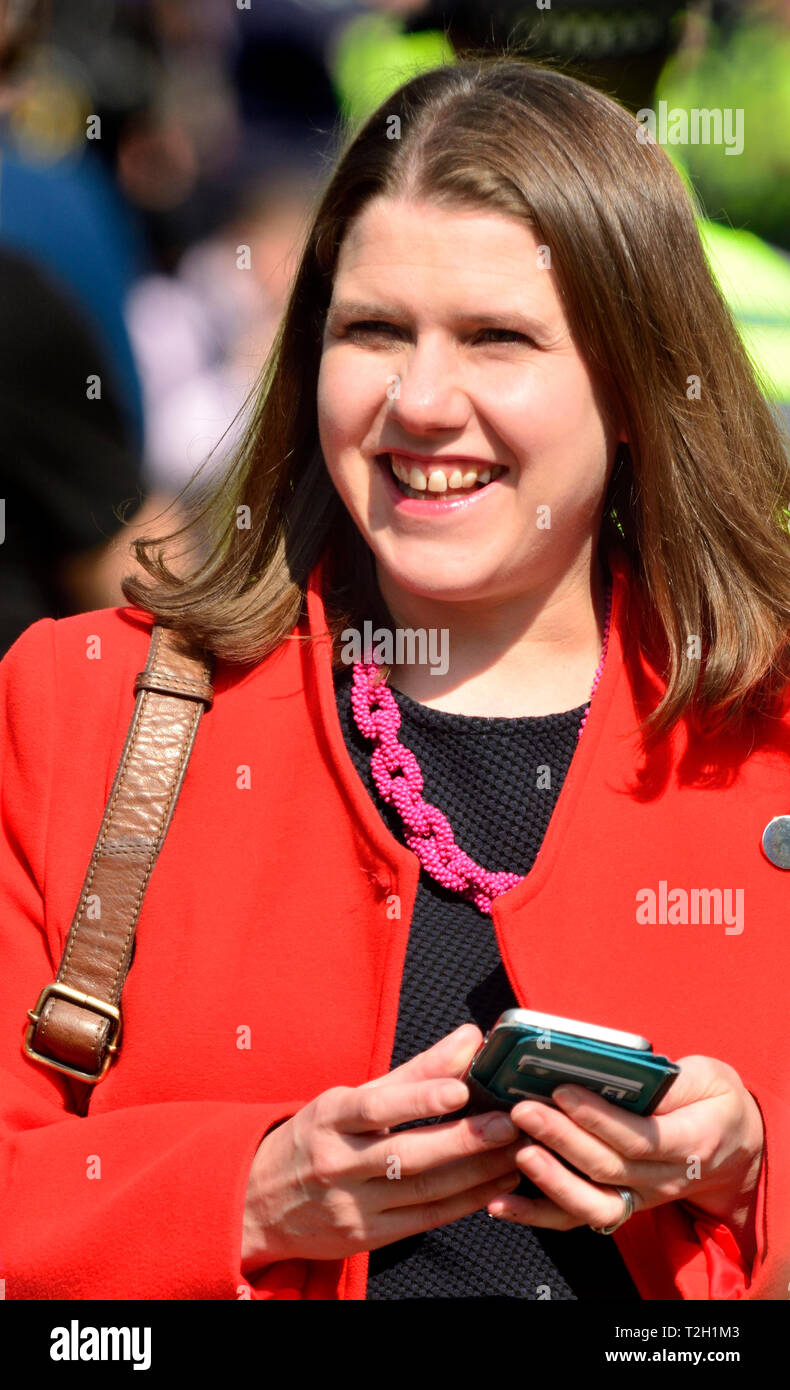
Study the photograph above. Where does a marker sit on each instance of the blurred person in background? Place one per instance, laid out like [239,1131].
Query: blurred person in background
[220,162]
[69,463]
[202,334]
[59,205]
[736,53]
[72,492]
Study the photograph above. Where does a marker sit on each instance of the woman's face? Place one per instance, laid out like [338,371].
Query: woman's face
[445,338]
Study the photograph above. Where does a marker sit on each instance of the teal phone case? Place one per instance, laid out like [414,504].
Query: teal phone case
[523,1062]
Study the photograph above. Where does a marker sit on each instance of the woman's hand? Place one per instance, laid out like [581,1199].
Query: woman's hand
[332,1180]
[702,1145]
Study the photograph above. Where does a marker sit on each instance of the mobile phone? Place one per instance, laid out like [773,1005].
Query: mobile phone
[527,1054]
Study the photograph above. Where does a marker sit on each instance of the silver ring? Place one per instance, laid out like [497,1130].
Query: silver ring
[628,1211]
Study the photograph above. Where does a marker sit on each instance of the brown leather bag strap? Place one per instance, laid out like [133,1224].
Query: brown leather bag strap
[76,1024]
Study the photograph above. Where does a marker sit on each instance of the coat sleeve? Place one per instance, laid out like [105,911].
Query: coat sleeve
[723,1274]
[694,1256]
[141,1203]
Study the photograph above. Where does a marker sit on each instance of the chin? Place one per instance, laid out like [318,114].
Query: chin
[436,579]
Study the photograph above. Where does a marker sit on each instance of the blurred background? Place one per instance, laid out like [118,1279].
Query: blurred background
[159,160]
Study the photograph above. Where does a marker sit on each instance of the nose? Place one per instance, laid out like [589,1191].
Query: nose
[427,394]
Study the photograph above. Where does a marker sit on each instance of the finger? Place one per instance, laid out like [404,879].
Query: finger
[573,1201]
[434,1145]
[450,1056]
[599,1161]
[411,1221]
[668,1138]
[635,1136]
[530,1211]
[393,1190]
[366,1109]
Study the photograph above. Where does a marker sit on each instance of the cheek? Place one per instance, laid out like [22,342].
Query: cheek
[341,426]
[348,395]
[553,413]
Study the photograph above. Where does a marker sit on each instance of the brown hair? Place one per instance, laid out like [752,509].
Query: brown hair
[698,501]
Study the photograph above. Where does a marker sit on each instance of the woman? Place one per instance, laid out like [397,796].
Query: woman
[507,408]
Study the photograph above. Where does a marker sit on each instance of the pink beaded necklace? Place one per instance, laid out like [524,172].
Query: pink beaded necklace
[428,832]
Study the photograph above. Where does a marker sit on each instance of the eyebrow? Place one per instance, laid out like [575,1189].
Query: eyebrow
[512,318]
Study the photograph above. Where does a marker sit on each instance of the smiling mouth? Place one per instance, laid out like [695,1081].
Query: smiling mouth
[430,482]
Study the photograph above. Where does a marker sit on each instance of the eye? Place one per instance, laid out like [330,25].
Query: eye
[368,327]
[505,334]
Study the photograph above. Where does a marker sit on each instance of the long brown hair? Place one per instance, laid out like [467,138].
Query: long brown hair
[699,499]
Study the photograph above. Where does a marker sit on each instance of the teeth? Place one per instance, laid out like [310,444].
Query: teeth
[436,480]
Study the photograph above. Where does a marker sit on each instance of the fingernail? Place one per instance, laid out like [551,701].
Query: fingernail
[499,1128]
[531,1156]
[566,1096]
[499,1209]
[452,1093]
[457,1031]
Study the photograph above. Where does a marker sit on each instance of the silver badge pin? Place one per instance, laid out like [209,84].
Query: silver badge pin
[776,841]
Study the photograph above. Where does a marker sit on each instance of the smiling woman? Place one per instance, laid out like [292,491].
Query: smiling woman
[506,403]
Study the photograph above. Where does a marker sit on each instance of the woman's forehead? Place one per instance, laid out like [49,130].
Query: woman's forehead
[387,217]
[400,254]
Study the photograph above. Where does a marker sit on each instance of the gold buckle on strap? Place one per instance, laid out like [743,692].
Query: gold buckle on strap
[85,1001]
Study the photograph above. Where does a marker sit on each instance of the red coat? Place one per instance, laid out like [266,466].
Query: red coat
[268,909]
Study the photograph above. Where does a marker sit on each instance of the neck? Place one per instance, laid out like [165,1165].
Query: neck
[535,653]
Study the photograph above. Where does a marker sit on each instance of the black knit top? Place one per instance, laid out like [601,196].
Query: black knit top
[497,780]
